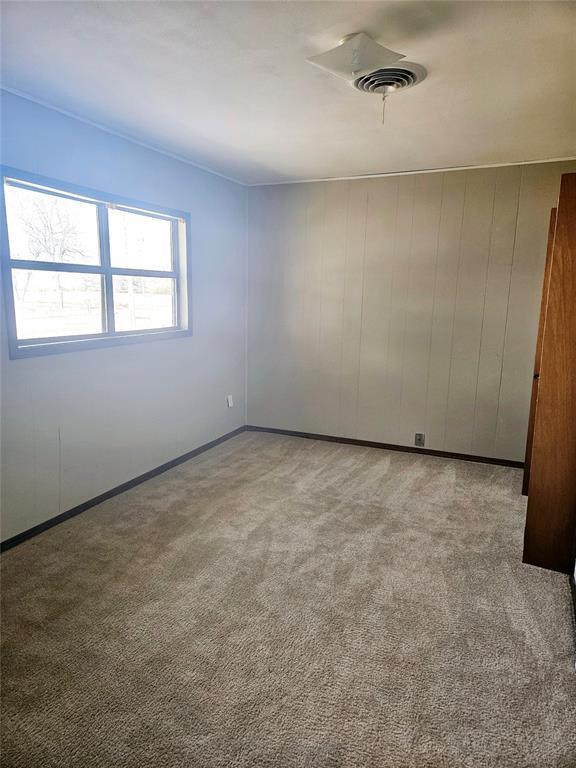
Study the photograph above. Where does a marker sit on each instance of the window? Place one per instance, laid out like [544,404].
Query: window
[82,269]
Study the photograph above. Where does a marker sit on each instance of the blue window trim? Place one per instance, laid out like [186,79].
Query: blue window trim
[180,272]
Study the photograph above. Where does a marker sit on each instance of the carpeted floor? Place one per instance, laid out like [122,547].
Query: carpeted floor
[290,603]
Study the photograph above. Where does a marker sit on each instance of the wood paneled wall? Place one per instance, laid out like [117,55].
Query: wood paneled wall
[380,308]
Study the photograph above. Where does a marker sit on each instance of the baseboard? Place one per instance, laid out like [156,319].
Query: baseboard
[573,591]
[389,446]
[44,526]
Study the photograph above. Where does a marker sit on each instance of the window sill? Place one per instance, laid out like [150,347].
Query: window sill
[41,347]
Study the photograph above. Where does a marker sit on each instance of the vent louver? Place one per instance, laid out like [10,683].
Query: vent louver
[388,80]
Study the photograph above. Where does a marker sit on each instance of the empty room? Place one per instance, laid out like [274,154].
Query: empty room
[288,384]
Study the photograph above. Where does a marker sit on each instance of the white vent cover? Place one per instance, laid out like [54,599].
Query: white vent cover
[368,66]
[356,55]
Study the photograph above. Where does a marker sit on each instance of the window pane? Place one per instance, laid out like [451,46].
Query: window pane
[43,227]
[143,302]
[56,303]
[139,242]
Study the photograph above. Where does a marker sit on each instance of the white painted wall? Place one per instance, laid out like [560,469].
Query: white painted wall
[77,424]
[384,307]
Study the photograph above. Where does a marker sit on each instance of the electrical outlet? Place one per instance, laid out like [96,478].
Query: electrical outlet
[419,439]
[230,401]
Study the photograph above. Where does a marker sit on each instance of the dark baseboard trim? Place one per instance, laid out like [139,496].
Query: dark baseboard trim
[573,591]
[20,537]
[388,446]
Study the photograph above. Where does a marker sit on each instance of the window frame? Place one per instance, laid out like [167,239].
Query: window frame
[180,272]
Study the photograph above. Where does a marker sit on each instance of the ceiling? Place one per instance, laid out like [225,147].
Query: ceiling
[226,86]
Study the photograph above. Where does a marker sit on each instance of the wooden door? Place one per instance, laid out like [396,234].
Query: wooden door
[538,356]
[550,534]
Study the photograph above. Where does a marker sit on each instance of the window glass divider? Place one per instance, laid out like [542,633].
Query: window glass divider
[56,266]
[175,243]
[92,269]
[135,272]
[107,288]
[47,341]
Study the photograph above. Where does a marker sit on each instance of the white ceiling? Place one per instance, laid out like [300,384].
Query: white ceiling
[226,85]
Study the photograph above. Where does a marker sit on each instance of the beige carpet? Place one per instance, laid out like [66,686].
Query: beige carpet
[285,603]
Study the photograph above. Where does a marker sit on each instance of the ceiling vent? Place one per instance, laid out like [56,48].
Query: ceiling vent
[369,66]
[385,81]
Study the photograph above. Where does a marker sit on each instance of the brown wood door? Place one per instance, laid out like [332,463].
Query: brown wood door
[550,534]
[538,355]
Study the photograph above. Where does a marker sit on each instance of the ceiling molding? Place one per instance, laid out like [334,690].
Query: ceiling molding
[415,172]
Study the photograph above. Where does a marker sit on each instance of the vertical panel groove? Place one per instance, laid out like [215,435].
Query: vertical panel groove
[508,307]
[390,298]
[341,372]
[426,404]
[454,310]
[405,318]
[491,241]
[362,307]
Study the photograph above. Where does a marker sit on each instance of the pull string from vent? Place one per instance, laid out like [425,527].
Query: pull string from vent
[387,92]
[389,80]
